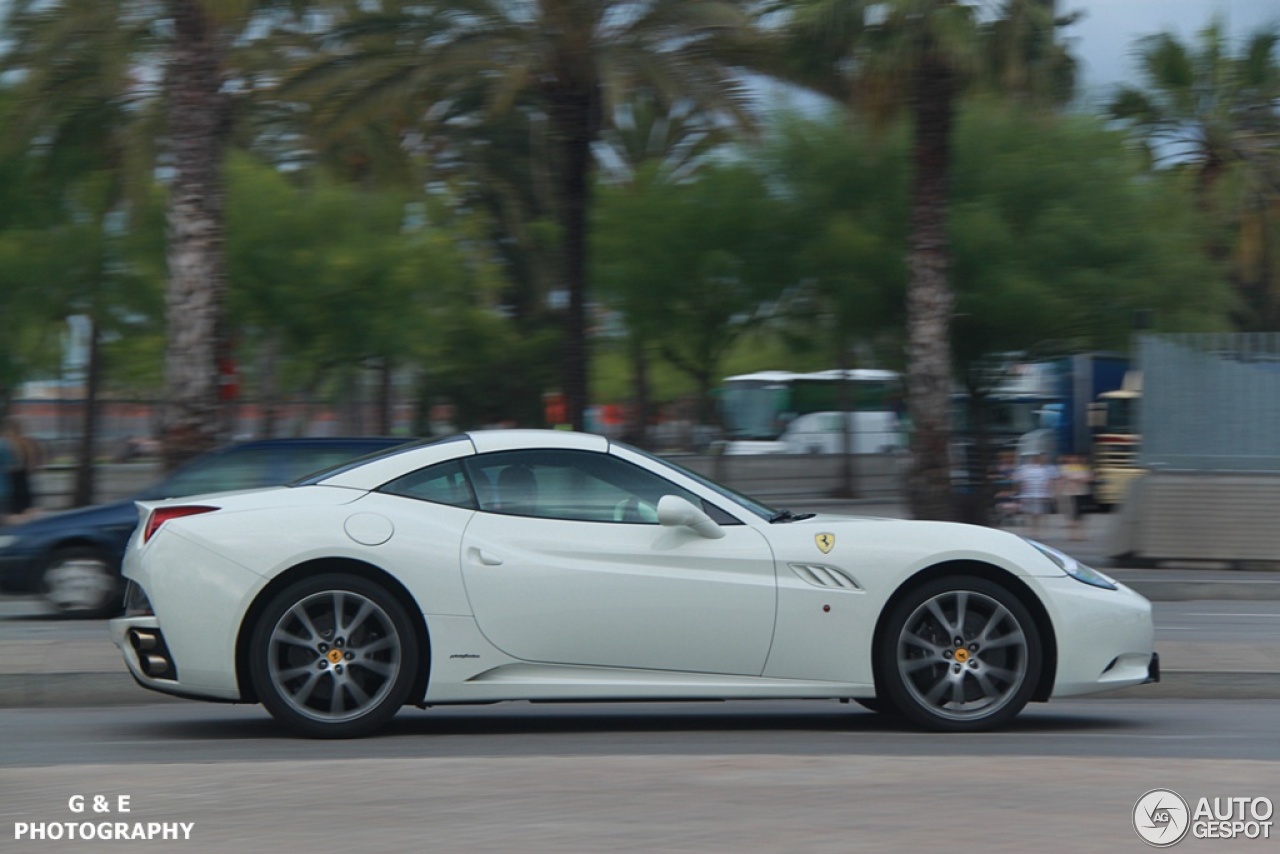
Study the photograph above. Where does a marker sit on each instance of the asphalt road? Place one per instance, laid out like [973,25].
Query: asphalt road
[740,777]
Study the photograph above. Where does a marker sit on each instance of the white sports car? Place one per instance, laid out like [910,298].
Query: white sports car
[542,565]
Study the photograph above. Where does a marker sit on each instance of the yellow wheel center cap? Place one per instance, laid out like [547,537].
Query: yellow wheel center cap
[962,655]
[334,656]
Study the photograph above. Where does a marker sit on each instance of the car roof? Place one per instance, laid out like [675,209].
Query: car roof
[373,473]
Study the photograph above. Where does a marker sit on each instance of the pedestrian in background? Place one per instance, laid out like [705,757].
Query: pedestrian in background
[24,459]
[7,459]
[1076,478]
[1037,482]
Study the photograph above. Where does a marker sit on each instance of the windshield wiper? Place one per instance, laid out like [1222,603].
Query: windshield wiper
[785,515]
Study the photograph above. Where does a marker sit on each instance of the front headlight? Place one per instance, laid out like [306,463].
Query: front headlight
[1075,568]
[7,540]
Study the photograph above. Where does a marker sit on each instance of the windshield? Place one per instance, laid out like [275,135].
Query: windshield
[762,510]
[1122,415]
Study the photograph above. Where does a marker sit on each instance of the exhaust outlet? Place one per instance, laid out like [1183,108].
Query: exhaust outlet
[154,665]
[142,642]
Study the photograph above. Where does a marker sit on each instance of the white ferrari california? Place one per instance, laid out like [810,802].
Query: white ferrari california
[542,565]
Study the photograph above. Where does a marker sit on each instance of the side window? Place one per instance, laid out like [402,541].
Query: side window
[443,483]
[581,486]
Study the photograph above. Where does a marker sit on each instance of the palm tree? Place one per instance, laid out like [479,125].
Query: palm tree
[1204,108]
[83,120]
[915,58]
[909,56]
[190,40]
[570,61]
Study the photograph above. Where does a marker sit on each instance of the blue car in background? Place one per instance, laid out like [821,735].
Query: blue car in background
[73,558]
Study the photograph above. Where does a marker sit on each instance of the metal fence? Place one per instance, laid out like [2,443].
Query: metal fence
[1211,402]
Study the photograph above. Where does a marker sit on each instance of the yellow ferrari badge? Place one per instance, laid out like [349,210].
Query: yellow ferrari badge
[826,542]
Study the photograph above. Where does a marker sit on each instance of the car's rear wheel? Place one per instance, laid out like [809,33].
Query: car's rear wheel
[333,656]
[82,582]
[960,654]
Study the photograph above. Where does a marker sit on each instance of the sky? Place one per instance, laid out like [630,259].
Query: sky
[1103,39]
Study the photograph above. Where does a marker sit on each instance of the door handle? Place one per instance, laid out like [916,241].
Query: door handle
[485,558]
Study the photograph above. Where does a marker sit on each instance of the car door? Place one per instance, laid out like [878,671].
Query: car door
[566,563]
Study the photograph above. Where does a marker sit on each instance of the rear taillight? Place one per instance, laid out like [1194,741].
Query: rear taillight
[163,514]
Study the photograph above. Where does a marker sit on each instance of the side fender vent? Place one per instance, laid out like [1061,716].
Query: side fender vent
[827,577]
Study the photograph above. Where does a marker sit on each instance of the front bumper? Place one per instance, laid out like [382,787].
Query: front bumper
[1105,638]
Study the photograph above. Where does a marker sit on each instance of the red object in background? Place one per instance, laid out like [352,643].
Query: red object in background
[554,408]
[228,380]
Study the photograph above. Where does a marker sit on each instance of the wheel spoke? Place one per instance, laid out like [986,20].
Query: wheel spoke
[381,668]
[304,693]
[378,645]
[362,699]
[913,639]
[366,608]
[1006,676]
[336,704]
[299,613]
[1011,639]
[915,665]
[936,610]
[283,636]
[998,616]
[294,672]
[962,604]
[936,692]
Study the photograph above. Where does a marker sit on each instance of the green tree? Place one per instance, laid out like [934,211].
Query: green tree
[1204,108]
[694,266]
[571,60]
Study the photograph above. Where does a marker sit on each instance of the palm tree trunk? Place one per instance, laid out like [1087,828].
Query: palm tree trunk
[638,434]
[930,299]
[198,123]
[573,121]
[84,487]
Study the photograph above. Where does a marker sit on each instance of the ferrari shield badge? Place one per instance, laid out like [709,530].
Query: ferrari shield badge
[826,542]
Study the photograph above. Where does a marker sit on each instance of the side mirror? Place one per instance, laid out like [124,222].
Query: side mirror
[674,511]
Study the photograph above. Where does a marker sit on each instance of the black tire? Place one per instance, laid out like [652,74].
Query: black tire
[82,582]
[960,654]
[333,656]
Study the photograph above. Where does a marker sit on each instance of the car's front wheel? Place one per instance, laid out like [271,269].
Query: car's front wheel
[960,654]
[333,656]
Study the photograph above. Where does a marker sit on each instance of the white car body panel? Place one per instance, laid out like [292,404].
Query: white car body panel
[635,596]
[535,608]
